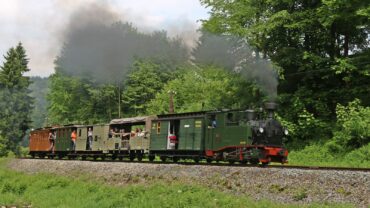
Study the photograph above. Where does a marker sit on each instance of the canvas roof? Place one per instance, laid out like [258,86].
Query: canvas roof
[141,119]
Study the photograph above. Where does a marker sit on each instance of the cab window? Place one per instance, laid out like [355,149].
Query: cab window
[231,119]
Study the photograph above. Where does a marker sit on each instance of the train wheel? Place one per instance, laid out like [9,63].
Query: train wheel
[151,158]
[163,158]
[83,157]
[265,164]
[102,157]
[120,158]
[175,159]
[209,160]
[95,157]
[231,162]
[114,157]
[140,157]
[196,159]
[132,157]
[254,161]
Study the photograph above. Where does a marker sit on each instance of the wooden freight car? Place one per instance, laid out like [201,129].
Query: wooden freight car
[39,143]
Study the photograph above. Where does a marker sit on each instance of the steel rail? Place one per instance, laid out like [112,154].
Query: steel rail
[224,164]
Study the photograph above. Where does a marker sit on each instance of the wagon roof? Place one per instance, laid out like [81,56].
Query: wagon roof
[181,115]
[141,119]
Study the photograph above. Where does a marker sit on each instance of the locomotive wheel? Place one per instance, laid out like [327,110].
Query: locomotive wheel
[209,160]
[231,162]
[151,158]
[265,164]
[196,159]
[254,161]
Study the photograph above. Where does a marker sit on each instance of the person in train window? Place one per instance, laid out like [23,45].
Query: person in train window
[90,138]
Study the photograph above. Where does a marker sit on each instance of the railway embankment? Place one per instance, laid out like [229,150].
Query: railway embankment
[280,185]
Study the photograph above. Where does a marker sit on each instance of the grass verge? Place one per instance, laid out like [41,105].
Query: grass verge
[47,190]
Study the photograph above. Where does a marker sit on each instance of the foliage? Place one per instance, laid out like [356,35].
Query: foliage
[203,88]
[350,145]
[321,47]
[320,154]
[39,89]
[3,147]
[144,81]
[353,126]
[15,104]
[76,100]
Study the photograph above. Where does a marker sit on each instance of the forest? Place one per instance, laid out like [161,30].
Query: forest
[311,57]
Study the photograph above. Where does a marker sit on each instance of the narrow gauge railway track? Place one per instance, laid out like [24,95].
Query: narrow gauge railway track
[222,164]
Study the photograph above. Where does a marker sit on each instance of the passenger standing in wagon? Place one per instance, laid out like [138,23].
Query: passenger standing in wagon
[52,140]
[73,140]
[90,138]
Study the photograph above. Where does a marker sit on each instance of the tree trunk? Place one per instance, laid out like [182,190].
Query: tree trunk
[346,45]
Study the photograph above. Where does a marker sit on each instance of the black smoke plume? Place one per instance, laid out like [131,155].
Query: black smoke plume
[100,47]
[234,54]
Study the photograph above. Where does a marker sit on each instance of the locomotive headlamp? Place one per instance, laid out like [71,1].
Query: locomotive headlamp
[261,130]
[286,132]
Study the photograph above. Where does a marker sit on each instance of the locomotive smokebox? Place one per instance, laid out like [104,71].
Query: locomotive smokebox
[270,107]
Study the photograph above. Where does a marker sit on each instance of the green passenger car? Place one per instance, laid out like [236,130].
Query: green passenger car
[63,138]
[178,136]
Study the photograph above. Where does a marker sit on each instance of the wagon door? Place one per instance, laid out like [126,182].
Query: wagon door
[187,135]
[81,138]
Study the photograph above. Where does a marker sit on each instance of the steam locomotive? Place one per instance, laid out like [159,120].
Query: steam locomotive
[244,136]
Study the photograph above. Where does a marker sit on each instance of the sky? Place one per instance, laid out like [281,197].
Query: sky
[40,24]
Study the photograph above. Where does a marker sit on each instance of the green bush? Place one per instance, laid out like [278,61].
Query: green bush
[353,123]
[319,154]
[3,147]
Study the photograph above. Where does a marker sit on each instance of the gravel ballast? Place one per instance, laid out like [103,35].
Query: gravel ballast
[280,185]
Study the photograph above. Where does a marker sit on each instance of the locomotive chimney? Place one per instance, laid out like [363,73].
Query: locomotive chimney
[270,107]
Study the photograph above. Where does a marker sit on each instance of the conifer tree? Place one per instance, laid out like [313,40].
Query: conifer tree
[15,104]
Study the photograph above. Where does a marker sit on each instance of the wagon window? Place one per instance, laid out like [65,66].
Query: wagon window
[79,133]
[231,119]
[158,127]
